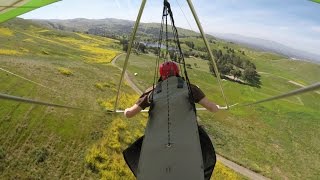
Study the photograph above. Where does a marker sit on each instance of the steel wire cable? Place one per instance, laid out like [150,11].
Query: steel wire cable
[19,76]
[184,15]
[32,101]
[291,93]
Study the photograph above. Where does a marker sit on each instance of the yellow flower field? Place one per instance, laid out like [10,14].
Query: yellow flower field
[106,157]
[99,55]
[6,32]
[9,52]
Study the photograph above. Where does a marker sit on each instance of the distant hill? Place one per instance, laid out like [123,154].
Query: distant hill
[272,46]
[116,28]
[111,27]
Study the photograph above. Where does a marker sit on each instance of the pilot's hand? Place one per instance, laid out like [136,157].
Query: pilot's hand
[125,112]
[222,107]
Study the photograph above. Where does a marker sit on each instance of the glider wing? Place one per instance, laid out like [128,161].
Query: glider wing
[12,8]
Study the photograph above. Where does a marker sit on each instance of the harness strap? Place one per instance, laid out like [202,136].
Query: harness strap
[180,83]
[159,88]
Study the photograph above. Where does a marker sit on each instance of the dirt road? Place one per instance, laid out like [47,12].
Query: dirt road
[126,76]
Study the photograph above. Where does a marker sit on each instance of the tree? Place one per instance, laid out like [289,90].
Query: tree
[188,66]
[125,47]
[173,56]
[124,43]
[156,51]
[211,68]
[186,54]
[163,54]
[236,73]
[190,44]
[142,47]
[219,54]
[236,61]
[225,68]
[251,76]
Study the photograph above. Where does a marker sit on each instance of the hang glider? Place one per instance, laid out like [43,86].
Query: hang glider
[12,8]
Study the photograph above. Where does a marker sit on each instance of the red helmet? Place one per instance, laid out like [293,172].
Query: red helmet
[168,69]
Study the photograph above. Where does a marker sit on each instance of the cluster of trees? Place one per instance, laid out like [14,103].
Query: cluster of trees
[138,46]
[230,62]
[236,66]
[190,44]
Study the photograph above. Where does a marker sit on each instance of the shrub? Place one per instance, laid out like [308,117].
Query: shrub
[102,86]
[189,66]
[65,71]
[45,52]
[2,153]
[40,155]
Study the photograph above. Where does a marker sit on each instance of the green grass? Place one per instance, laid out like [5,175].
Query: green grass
[66,134]
[279,139]
[61,137]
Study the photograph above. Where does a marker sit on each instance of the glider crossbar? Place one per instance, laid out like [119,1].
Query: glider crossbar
[147,110]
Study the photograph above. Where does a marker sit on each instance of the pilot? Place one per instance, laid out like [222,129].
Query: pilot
[166,70]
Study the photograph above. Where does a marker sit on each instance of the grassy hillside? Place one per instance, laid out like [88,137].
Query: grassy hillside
[39,142]
[23,38]
[279,139]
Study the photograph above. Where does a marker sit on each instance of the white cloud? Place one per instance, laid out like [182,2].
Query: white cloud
[315,29]
[284,28]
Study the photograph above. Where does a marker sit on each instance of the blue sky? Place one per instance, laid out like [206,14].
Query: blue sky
[295,23]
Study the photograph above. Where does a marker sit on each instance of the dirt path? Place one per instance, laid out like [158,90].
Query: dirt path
[301,85]
[240,169]
[289,81]
[126,76]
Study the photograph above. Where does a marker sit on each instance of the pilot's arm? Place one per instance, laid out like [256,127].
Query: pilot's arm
[200,98]
[142,103]
[132,111]
[210,106]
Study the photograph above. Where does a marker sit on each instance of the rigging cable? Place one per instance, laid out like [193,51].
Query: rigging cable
[156,70]
[184,15]
[176,37]
[27,79]
[292,93]
[31,101]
